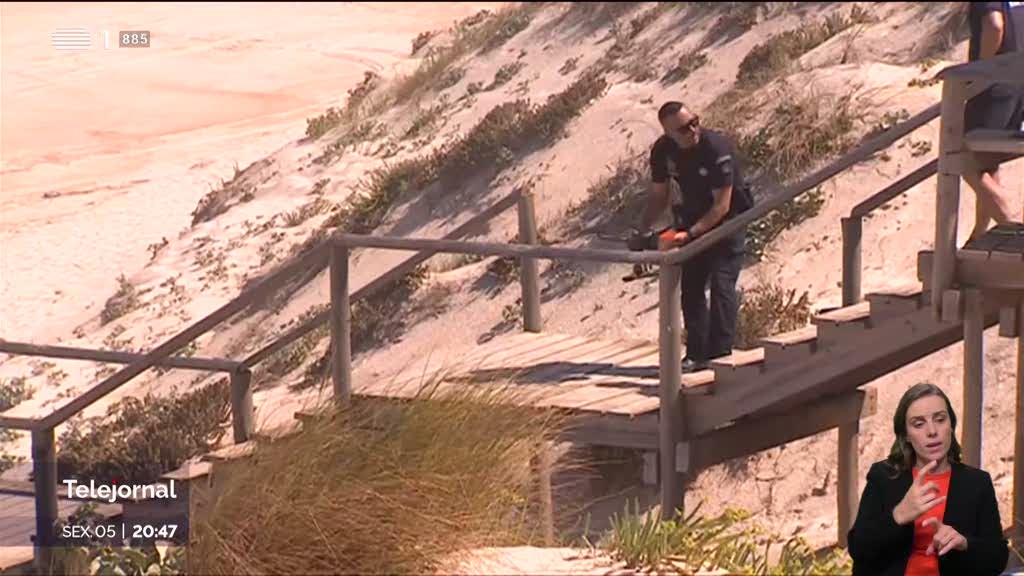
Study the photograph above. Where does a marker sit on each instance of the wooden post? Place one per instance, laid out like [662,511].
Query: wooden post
[547,509]
[852,228]
[341,325]
[947,205]
[974,371]
[847,490]
[1017,512]
[242,415]
[44,472]
[529,276]
[670,374]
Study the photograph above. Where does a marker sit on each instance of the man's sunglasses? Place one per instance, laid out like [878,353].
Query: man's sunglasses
[690,126]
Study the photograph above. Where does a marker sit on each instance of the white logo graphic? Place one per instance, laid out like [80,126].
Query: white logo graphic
[71,39]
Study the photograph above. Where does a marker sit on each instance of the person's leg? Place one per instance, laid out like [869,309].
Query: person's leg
[998,108]
[994,200]
[724,302]
[695,307]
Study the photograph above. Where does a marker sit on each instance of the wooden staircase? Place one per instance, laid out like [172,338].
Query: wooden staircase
[727,408]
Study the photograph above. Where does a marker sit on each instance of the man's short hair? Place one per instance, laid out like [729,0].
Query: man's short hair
[669,109]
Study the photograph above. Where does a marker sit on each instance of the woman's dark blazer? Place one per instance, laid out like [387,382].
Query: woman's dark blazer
[880,546]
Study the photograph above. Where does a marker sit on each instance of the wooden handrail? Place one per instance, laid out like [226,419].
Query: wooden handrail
[117,357]
[857,155]
[384,280]
[315,257]
[496,249]
[895,189]
[852,227]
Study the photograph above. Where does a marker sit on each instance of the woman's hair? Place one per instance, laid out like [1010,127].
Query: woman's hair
[901,456]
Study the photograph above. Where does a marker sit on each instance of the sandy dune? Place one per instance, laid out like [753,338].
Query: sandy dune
[130,139]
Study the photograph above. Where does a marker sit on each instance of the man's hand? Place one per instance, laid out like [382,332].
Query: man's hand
[922,497]
[946,538]
[672,240]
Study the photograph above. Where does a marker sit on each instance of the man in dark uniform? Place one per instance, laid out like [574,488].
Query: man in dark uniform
[713,190]
[996,28]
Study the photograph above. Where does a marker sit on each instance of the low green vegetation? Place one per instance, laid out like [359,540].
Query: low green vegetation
[13,391]
[137,440]
[767,309]
[124,300]
[774,56]
[695,542]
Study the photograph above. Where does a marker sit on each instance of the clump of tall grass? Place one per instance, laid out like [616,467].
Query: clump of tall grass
[366,490]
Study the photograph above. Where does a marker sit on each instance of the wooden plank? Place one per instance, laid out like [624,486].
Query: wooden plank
[498,249]
[529,275]
[341,324]
[114,357]
[859,311]
[587,363]
[852,363]
[973,254]
[895,189]
[671,426]
[991,275]
[189,471]
[231,452]
[952,307]
[847,476]
[990,70]
[1008,321]
[560,395]
[740,358]
[995,141]
[787,339]
[974,374]
[947,205]
[752,435]
[524,342]
[493,370]
[606,386]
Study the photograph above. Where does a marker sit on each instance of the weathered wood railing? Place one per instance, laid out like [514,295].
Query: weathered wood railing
[336,253]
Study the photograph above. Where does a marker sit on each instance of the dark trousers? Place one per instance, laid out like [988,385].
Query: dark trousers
[711,330]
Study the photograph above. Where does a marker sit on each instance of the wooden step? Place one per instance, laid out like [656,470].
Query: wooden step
[740,367]
[1000,141]
[230,452]
[842,322]
[889,304]
[791,346]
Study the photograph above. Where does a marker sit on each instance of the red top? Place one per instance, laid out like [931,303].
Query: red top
[921,564]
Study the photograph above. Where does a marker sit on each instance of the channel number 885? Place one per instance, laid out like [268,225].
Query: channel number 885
[134,39]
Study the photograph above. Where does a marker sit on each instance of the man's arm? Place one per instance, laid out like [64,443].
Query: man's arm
[718,211]
[992,28]
[657,201]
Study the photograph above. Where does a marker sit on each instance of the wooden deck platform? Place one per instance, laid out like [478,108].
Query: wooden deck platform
[584,375]
[18,521]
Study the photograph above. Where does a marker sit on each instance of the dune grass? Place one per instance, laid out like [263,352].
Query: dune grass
[695,542]
[373,491]
[768,308]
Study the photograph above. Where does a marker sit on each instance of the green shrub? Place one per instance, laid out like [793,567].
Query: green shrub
[694,542]
[770,59]
[766,229]
[138,440]
[125,300]
[768,309]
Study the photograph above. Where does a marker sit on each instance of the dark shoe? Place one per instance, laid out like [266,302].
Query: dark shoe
[690,365]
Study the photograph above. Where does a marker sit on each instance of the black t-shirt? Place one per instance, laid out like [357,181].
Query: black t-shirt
[1013,26]
[709,166]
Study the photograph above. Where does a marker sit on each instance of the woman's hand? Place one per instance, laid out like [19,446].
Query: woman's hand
[946,538]
[922,497]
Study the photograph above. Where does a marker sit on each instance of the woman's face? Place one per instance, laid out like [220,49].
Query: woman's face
[929,429]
